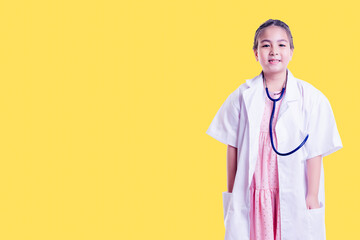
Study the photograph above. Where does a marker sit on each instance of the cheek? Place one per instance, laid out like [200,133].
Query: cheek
[288,58]
[263,57]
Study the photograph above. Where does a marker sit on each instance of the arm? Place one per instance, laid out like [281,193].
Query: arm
[313,177]
[231,166]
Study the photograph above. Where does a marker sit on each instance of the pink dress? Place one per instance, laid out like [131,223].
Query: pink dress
[264,189]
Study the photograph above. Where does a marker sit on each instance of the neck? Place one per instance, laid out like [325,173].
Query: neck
[275,81]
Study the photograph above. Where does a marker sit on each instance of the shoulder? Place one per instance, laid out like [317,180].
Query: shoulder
[313,99]
[235,97]
[309,92]
[238,92]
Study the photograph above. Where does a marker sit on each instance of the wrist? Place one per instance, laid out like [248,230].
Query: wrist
[312,194]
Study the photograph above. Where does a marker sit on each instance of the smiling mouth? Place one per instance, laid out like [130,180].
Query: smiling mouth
[273,61]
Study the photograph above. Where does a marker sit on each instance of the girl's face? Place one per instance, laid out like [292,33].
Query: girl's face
[273,44]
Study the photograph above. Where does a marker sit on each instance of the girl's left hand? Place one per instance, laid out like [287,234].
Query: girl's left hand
[312,202]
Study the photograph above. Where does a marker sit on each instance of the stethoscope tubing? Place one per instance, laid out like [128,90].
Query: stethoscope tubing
[270,125]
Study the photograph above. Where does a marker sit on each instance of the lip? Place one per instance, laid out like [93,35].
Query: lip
[276,61]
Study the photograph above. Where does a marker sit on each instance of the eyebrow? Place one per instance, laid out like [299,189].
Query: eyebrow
[266,40]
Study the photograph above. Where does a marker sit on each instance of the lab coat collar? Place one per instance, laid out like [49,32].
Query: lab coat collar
[291,90]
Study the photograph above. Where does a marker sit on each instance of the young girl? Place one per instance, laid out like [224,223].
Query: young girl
[278,128]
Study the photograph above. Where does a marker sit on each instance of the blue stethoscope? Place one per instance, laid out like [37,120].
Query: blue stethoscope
[271,119]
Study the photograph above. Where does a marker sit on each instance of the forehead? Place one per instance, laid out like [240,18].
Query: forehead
[273,33]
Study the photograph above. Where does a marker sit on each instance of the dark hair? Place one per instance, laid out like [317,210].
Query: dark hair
[273,22]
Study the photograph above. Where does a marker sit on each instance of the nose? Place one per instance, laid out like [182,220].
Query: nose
[274,51]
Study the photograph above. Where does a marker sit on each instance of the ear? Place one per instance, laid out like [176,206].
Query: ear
[256,55]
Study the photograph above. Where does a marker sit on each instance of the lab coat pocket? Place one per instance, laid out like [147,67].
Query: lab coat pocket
[227,198]
[316,217]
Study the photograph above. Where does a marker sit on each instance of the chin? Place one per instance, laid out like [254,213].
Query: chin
[276,68]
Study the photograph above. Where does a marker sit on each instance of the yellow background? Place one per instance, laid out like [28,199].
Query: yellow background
[104,107]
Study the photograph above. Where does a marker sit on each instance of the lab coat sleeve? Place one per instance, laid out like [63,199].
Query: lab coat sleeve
[224,126]
[324,137]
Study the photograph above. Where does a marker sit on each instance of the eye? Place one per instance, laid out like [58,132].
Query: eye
[265,45]
[283,45]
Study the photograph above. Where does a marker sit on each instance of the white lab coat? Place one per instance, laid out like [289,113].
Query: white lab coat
[304,110]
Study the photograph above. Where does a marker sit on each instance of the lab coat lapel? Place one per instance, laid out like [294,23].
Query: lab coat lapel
[292,95]
[254,100]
